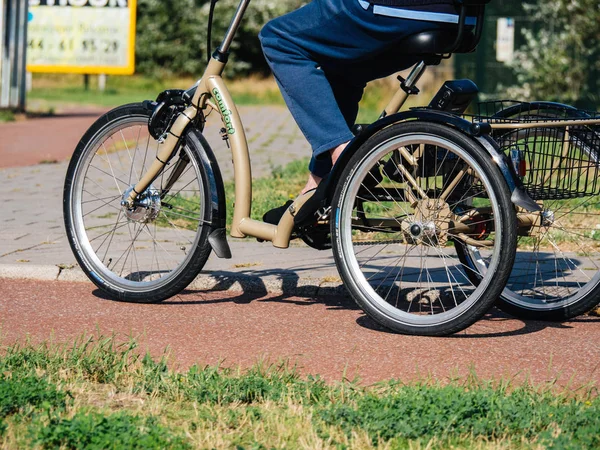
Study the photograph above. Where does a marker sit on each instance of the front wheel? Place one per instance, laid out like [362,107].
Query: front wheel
[154,250]
[405,200]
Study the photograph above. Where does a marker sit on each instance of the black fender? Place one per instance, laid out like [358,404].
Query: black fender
[477,131]
[218,212]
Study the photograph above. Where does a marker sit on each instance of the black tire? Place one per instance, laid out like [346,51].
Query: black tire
[553,278]
[445,306]
[167,239]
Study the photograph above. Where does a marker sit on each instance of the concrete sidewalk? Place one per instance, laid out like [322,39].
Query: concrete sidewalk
[33,243]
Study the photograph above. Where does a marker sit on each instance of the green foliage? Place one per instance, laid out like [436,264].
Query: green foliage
[425,412]
[272,191]
[100,360]
[246,53]
[171,35]
[149,405]
[6,116]
[256,385]
[561,59]
[24,394]
[100,431]
[169,38]
[212,385]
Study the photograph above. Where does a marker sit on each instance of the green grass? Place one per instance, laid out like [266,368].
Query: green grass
[7,116]
[181,211]
[269,192]
[101,431]
[69,89]
[52,90]
[97,393]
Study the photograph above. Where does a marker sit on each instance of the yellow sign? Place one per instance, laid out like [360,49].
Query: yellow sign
[81,36]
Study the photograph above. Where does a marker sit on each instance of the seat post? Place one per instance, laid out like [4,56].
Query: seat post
[407,87]
[415,75]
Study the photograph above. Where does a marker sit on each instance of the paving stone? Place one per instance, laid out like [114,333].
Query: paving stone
[73,274]
[32,232]
[29,271]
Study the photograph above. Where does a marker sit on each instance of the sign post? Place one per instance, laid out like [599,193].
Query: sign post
[82,36]
[13,38]
[505,39]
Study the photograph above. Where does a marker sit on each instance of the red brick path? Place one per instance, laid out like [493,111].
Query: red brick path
[44,139]
[325,335]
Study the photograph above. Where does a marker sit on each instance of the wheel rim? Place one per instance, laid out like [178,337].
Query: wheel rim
[432,286]
[137,250]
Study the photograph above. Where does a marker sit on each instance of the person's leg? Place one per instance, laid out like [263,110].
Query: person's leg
[347,96]
[289,50]
[323,37]
[322,165]
[307,47]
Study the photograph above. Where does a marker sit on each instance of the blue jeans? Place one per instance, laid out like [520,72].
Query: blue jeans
[322,56]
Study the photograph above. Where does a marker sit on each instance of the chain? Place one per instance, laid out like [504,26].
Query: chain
[396,241]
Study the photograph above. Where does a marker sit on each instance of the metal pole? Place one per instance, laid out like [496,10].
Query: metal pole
[2,5]
[4,57]
[21,80]
[13,47]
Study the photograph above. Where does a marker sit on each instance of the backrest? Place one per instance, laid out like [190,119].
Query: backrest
[468,7]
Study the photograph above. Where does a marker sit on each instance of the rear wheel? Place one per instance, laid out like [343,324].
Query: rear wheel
[152,251]
[556,275]
[404,201]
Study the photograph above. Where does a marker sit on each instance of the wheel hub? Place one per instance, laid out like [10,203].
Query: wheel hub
[416,230]
[429,225]
[146,206]
[547,218]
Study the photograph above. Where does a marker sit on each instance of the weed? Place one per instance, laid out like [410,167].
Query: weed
[7,116]
[119,399]
[244,265]
[269,192]
[24,394]
[99,431]
[331,279]
[98,360]
[441,412]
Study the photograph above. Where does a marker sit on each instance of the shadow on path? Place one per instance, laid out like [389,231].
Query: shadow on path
[518,326]
[254,288]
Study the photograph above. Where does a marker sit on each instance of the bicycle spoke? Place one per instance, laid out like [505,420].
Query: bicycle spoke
[138,249]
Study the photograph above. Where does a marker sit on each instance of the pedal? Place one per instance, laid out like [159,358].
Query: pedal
[323,213]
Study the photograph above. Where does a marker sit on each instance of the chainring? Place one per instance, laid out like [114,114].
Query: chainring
[316,236]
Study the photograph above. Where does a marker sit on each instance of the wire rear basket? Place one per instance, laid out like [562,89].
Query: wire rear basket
[555,149]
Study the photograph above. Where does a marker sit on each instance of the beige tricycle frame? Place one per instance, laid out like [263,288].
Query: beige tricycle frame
[211,92]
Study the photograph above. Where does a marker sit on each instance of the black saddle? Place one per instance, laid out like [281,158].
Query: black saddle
[436,42]
[459,38]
